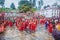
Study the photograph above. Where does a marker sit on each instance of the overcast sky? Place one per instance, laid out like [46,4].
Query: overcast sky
[46,2]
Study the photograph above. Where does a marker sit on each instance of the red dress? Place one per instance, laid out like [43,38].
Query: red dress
[16,23]
[50,28]
[41,21]
[44,21]
[36,21]
[33,26]
[4,24]
[22,26]
[26,24]
[29,26]
[10,23]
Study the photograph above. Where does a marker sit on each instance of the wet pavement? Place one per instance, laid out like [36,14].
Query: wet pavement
[14,34]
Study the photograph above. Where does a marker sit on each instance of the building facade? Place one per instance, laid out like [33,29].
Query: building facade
[50,12]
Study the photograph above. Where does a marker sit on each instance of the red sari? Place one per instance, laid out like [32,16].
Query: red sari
[50,28]
[22,26]
[16,23]
[33,26]
[44,21]
[26,24]
[41,21]
[10,23]
[36,21]
[5,24]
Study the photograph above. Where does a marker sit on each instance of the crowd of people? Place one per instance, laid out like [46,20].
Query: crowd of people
[53,27]
[30,25]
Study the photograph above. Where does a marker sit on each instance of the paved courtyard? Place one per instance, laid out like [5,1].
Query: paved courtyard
[14,34]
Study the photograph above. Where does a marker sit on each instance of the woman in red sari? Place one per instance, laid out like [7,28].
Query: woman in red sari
[10,23]
[36,20]
[16,22]
[21,29]
[50,27]
[30,23]
[33,26]
[22,26]
[41,21]
[5,24]
[26,24]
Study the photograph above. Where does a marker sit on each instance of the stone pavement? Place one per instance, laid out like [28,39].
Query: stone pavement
[14,34]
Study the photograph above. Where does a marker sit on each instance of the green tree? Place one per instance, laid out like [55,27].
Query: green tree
[12,6]
[33,9]
[25,2]
[25,5]
[25,8]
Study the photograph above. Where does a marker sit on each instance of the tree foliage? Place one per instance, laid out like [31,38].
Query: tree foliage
[25,6]
[33,10]
[5,10]
[12,6]
[25,2]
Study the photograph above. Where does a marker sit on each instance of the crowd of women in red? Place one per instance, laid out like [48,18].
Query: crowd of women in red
[21,24]
[24,24]
[31,24]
